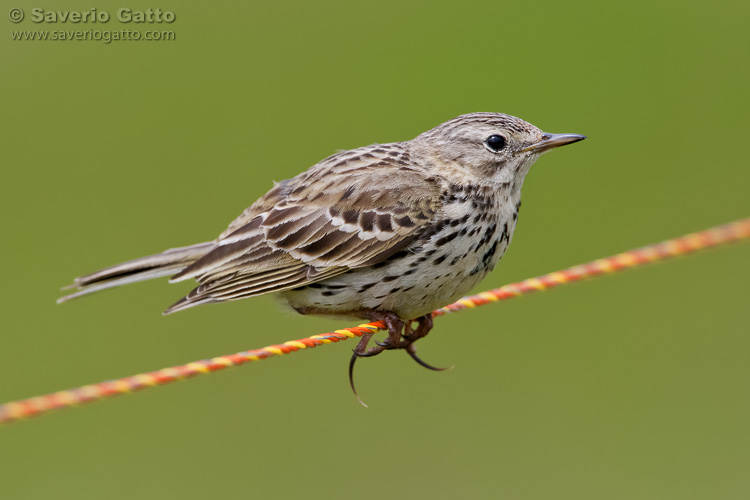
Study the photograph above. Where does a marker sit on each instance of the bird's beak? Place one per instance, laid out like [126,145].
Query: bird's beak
[550,141]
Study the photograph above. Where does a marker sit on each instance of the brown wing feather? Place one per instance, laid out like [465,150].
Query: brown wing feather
[353,209]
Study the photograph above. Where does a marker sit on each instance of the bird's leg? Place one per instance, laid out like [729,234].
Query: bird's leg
[395,328]
[410,336]
[424,325]
[393,341]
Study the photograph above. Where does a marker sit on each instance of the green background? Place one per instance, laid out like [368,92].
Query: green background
[630,386]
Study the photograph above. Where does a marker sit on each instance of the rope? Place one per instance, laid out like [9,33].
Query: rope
[719,235]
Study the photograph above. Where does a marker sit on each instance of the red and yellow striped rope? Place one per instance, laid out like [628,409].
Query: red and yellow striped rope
[719,235]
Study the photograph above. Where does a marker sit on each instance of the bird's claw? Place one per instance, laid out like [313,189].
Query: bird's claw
[387,344]
[400,336]
[412,351]
[351,377]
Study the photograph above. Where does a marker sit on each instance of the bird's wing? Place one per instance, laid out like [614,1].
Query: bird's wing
[354,209]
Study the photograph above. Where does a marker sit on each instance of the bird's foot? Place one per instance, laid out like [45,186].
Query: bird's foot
[424,325]
[401,335]
[395,328]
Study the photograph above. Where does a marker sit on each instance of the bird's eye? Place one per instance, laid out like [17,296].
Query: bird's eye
[495,142]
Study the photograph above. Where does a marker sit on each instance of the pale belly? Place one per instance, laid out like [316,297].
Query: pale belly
[426,276]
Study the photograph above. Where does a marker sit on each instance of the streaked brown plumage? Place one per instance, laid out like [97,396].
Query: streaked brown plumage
[386,232]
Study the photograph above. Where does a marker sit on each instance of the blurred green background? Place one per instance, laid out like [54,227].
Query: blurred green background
[630,386]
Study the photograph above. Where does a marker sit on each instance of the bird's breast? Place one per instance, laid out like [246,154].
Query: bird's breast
[444,262]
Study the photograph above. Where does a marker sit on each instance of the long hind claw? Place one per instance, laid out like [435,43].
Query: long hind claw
[351,378]
[412,351]
[361,351]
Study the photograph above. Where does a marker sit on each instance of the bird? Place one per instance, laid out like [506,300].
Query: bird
[386,232]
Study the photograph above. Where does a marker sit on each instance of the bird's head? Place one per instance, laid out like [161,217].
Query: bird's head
[494,147]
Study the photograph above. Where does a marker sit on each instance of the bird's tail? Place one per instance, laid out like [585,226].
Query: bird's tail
[154,266]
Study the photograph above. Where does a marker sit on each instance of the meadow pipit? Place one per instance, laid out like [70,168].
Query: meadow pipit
[386,232]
